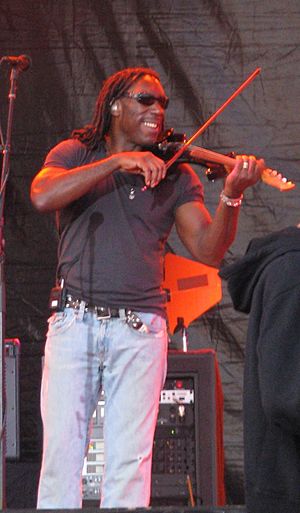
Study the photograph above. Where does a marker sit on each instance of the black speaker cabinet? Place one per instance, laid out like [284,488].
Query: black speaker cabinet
[11,374]
[188,450]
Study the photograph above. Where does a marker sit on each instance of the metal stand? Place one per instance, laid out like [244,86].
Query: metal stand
[15,70]
[182,327]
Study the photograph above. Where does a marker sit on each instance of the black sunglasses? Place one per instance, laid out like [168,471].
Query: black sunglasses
[148,99]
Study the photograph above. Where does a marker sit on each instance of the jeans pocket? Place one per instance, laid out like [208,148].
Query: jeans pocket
[60,322]
[145,323]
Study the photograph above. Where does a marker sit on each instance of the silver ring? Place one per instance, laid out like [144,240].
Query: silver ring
[245,165]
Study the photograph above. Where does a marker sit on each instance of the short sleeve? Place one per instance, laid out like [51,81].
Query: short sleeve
[191,188]
[67,154]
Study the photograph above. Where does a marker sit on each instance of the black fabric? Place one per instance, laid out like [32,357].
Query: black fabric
[203,50]
[266,283]
[244,274]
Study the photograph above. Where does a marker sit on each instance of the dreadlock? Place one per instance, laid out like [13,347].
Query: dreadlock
[114,87]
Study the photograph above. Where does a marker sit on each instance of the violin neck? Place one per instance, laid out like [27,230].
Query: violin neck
[206,157]
[269,176]
[210,157]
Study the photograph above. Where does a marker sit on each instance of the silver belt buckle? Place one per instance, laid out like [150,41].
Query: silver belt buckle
[102,317]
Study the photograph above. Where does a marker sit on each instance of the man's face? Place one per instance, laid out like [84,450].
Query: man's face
[139,124]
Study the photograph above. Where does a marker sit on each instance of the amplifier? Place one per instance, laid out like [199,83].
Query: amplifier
[188,456]
[174,448]
[187,451]
[11,387]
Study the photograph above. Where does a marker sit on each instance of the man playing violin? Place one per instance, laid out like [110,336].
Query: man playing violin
[116,205]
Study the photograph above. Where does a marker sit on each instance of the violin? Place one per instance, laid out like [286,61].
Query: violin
[217,164]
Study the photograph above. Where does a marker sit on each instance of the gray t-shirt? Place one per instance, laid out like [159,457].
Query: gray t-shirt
[111,248]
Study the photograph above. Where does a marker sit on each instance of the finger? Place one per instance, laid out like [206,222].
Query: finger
[252,162]
[239,162]
[147,176]
[249,162]
[164,170]
[154,177]
[152,173]
[158,171]
[148,165]
[145,167]
[255,168]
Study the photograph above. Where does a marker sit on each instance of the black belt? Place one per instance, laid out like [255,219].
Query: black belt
[102,312]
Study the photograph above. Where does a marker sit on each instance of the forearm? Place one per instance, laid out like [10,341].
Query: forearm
[55,188]
[207,238]
[218,235]
[222,230]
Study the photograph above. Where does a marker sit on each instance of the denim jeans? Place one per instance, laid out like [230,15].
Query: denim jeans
[82,355]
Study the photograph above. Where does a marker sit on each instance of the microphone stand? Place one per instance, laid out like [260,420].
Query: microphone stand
[4,176]
[180,326]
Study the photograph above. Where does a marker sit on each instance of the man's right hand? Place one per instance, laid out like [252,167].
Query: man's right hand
[143,163]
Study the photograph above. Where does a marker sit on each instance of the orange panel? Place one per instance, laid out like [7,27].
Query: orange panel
[193,288]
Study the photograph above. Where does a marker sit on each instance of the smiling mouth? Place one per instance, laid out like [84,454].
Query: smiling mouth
[151,124]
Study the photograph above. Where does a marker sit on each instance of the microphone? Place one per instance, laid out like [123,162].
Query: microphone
[23,62]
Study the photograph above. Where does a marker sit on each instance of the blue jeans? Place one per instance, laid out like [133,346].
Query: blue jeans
[81,355]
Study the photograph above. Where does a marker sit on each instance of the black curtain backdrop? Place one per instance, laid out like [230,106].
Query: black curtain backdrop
[203,49]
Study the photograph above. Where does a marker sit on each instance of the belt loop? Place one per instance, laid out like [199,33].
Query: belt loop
[122,313]
[81,310]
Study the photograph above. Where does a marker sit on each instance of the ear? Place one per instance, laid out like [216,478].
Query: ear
[115,109]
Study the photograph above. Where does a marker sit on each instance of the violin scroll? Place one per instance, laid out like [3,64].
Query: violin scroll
[275,179]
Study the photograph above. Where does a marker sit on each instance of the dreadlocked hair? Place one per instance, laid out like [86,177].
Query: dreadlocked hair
[114,87]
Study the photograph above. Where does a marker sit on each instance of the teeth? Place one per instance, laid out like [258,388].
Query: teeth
[150,125]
